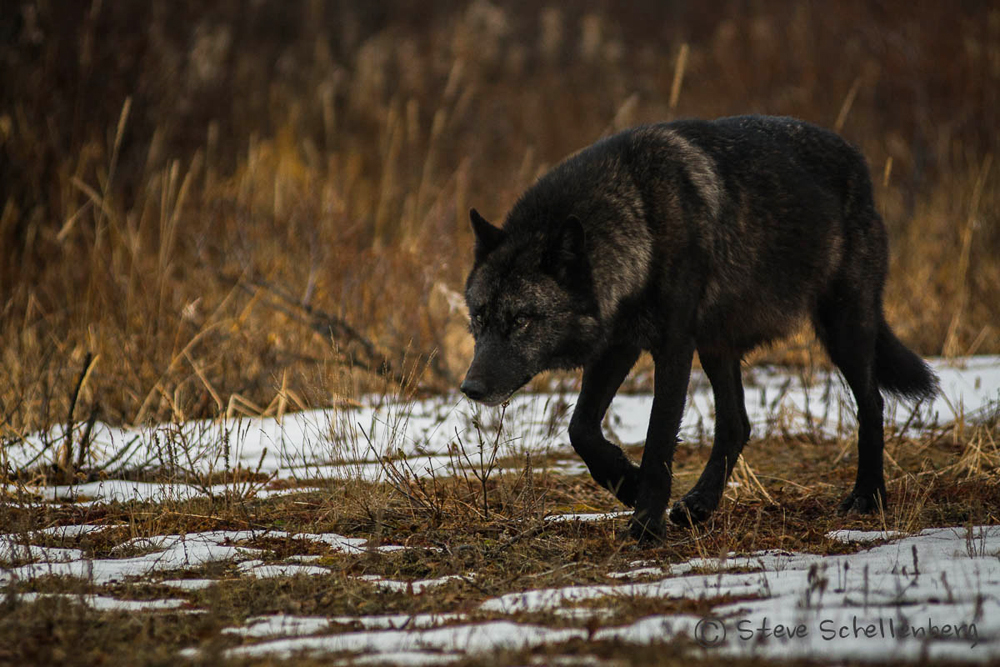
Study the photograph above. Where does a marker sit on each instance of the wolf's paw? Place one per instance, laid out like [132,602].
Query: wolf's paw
[647,530]
[864,501]
[691,510]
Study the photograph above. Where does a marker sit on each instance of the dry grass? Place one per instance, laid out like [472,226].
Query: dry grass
[254,209]
[250,208]
[944,477]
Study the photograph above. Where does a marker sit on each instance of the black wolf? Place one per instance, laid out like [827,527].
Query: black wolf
[715,236]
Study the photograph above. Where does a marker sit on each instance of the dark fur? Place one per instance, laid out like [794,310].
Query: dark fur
[715,236]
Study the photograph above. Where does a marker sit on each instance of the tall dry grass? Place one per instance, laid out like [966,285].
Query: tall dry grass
[261,203]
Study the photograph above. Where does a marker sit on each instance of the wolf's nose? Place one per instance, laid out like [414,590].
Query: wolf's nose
[474,389]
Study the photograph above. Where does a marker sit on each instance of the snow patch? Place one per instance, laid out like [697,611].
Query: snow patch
[848,536]
[468,639]
[104,603]
[419,438]
[280,625]
[416,587]
[270,570]
[189,584]
[586,516]
[165,552]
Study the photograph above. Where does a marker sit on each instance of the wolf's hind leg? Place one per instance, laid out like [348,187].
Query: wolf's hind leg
[847,324]
[608,464]
[732,430]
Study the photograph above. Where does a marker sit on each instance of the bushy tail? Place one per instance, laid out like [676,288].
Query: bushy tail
[899,371]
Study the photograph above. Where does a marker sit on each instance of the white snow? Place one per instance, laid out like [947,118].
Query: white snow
[637,573]
[401,658]
[387,438]
[12,550]
[76,530]
[935,594]
[848,536]
[932,595]
[280,625]
[416,587]
[124,491]
[586,516]
[397,621]
[272,570]
[946,581]
[171,552]
[583,613]
[778,400]
[165,552]
[941,585]
[189,584]
[650,629]
[469,639]
[105,603]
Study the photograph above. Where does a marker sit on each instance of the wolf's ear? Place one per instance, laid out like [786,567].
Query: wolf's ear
[566,253]
[488,237]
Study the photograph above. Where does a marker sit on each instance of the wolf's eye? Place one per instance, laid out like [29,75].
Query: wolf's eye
[521,322]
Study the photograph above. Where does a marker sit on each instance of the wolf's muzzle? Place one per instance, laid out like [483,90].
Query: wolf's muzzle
[474,389]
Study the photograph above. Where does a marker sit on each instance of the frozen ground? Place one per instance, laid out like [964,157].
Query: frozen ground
[440,435]
[934,595]
[164,553]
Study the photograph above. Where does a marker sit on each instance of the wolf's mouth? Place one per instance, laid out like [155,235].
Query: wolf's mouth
[493,402]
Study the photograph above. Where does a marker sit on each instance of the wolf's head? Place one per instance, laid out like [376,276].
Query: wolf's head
[531,305]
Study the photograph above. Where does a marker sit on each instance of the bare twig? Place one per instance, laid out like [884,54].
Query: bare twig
[66,457]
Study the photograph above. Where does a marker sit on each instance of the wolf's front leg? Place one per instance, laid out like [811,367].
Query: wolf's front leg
[673,370]
[607,463]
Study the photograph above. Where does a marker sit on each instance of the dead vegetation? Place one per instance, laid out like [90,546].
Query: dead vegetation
[249,210]
[255,209]
[934,480]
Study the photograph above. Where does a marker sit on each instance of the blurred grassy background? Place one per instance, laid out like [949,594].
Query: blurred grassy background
[208,207]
